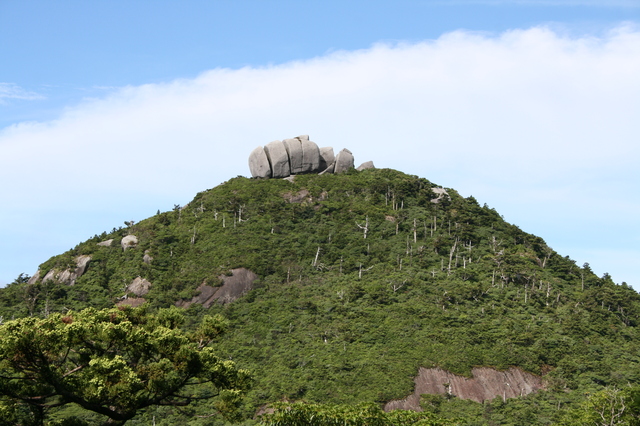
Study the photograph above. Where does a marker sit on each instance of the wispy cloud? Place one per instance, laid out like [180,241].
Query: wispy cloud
[13,91]
[540,125]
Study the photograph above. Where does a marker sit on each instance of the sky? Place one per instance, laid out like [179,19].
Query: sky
[112,110]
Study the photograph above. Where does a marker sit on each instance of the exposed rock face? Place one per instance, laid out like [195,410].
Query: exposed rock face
[259,163]
[278,158]
[233,287]
[34,277]
[440,194]
[326,159]
[67,276]
[310,157]
[106,243]
[366,165]
[294,149]
[130,241]
[139,287]
[147,258]
[486,384]
[281,159]
[344,161]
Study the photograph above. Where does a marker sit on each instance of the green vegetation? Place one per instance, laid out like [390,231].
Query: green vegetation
[363,279]
[112,362]
[301,414]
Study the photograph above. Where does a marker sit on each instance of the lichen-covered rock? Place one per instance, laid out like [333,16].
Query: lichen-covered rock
[344,161]
[130,241]
[278,158]
[310,157]
[259,163]
[366,165]
[294,149]
[326,159]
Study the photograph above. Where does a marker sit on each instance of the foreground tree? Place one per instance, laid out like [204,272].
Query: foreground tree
[113,362]
[608,407]
[304,414]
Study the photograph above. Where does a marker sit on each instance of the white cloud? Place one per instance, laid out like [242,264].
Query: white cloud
[13,91]
[528,121]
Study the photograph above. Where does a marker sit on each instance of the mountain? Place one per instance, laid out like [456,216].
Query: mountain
[345,288]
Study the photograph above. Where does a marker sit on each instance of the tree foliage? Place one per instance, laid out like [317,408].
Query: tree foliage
[337,318]
[305,414]
[113,362]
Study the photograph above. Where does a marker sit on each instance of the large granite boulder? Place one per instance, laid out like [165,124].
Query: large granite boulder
[283,159]
[130,241]
[326,159]
[138,286]
[278,158]
[344,161]
[259,163]
[366,165]
[310,157]
[294,149]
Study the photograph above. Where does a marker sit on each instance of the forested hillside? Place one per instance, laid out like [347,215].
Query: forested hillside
[362,278]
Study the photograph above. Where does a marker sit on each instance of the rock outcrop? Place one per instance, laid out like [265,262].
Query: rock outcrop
[67,276]
[130,241]
[327,159]
[233,287]
[259,163]
[281,159]
[441,193]
[364,166]
[278,159]
[344,161]
[485,385]
[139,287]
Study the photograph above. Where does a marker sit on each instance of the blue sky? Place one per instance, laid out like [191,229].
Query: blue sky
[111,110]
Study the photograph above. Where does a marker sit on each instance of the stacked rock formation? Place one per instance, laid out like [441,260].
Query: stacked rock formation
[280,159]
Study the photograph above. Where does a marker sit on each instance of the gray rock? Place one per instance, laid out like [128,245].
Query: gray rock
[303,137]
[49,276]
[310,157]
[82,262]
[441,193]
[34,278]
[344,161]
[366,165]
[278,158]
[326,159]
[294,149]
[106,243]
[147,258]
[139,287]
[329,168]
[259,163]
[130,241]
[67,276]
